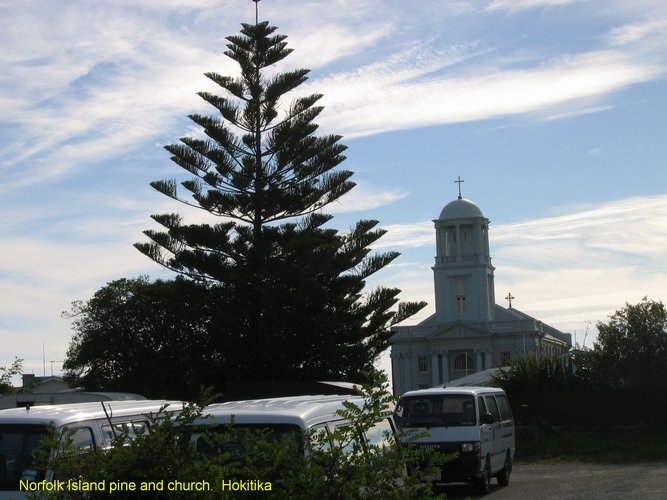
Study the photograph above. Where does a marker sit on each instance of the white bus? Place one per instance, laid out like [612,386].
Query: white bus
[93,426]
[293,416]
[475,422]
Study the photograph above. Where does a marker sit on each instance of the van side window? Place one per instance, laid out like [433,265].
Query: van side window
[82,443]
[133,429]
[351,442]
[481,406]
[492,407]
[319,438]
[379,434]
[505,409]
[82,439]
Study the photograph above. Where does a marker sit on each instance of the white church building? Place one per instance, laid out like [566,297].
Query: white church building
[469,332]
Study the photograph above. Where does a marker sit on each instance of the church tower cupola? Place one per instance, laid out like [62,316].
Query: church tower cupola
[463,274]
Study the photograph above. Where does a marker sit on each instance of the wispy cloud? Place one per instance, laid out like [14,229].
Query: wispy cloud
[572,113]
[636,226]
[520,5]
[407,235]
[82,84]
[313,44]
[634,32]
[79,84]
[365,197]
[382,98]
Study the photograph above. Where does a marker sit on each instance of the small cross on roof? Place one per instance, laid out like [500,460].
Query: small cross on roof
[459,181]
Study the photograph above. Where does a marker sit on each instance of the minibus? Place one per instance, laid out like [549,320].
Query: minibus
[92,426]
[475,423]
[292,416]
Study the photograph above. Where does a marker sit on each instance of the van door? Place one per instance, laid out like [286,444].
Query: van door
[82,442]
[507,430]
[485,430]
[496,449]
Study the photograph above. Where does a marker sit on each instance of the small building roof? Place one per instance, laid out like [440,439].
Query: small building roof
[481,378]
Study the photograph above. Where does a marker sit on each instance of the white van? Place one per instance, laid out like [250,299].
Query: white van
[291,416]
[93,424]
[475,422]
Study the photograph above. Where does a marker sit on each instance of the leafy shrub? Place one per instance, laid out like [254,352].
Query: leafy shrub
[528,374]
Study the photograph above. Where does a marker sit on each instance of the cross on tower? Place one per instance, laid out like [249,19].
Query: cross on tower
[510,297]
[459,181]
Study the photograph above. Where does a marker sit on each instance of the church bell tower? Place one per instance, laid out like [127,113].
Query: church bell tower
[463,274]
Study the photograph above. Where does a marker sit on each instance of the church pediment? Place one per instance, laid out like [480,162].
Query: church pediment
[460,330]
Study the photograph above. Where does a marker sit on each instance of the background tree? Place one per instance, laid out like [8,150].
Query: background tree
[631,349]
[143,337]
[295,304]
[6,374]
[529,374]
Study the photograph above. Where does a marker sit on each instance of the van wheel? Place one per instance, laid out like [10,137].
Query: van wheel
[504,474]
[483,484]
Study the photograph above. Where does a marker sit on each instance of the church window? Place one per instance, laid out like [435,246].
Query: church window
[422,364]
[464,364]
[460,295]
[460,305]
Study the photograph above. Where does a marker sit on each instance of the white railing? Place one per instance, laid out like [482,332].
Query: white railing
[462,259]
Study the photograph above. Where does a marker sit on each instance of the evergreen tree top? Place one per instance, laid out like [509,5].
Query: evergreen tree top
[256,47]
[292,290]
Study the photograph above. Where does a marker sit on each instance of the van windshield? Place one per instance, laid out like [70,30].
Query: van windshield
[437,410]
[17,442]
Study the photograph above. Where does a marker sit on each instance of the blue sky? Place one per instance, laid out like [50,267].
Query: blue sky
[552,111]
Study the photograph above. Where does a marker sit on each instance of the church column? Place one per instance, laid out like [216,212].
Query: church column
[445,367]
[477,241]
[440,242]
[489,359]
[434,369]
[441,377]
[396,373]
[478,360]
[458,243]
[410,371]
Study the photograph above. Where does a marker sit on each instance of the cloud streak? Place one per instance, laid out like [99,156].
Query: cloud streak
[81,84]
[514,6]
[381,98]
